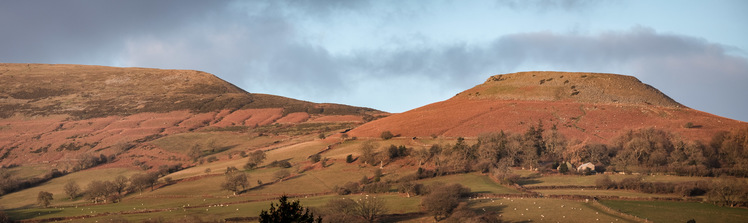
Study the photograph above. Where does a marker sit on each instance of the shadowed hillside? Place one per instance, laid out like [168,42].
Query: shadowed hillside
[583,106]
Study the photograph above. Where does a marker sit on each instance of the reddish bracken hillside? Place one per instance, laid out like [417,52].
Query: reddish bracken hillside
[584,106]
[53,113]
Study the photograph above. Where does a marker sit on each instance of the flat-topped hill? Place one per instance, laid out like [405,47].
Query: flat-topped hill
[583,106]
[568,86]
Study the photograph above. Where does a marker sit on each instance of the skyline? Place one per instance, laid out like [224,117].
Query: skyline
[393,55]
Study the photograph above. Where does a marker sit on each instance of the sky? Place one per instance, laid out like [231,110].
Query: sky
[397,55]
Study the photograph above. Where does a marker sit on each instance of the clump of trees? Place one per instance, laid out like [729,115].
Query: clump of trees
[442,199]
[234,180]
[637,183]
[255,159]
[86,160]
[370,155]
[10,183]
[643,150]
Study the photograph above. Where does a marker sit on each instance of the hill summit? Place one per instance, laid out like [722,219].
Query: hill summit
[567,86]
[84,91]
[583,106]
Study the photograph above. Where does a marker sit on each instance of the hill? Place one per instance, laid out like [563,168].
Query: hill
[592,107]
[51,113]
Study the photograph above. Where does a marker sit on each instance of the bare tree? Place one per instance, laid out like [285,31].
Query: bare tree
[281,174]
[368,208]
[72,189]
[367,152]
[44,199]
[97,191]
[119,184]
[142,180]
[728,191]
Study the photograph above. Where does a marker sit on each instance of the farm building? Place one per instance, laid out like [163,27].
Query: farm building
[587,165]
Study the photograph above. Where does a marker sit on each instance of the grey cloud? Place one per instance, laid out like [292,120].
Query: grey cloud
[80,30]
[697,73]
[545,5]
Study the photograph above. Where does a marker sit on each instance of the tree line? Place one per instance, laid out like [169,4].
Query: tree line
[644,150]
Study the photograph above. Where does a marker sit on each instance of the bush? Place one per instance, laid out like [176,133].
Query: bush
[212,159]
[315,158]
[282,163]
[347,188]
[605,182]
[376,187]
[349,158]
[386,135]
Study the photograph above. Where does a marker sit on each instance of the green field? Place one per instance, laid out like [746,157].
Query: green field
[665,211]
[600,192]
[579,180]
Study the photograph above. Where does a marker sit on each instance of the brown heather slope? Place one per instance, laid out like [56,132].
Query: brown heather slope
[590,107]
[53,113]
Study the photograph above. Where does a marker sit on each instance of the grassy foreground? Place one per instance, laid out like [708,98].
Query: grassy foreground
[665,211]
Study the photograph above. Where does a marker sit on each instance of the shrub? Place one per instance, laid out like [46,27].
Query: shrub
[605,182]
[212,159]
[282,163]
[347,188]
[349,158]
[376,187]
[315,158]
[386,135]
[688,125]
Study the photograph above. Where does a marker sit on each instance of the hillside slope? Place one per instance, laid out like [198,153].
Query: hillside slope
[51,113]
[584,106]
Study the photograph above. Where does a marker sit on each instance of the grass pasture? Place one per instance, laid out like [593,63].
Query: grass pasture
[600,192]
[543,210]
[27,197]
[477,183]
[667,211]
